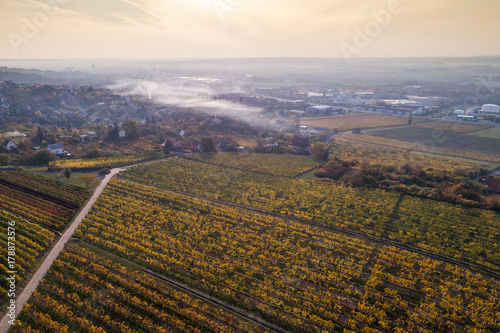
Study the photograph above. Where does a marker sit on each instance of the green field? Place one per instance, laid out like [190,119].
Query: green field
[493,133]
[73,179]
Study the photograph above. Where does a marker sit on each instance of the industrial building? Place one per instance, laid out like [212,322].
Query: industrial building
[490,108]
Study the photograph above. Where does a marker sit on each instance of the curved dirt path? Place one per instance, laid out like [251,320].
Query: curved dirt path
[24,296]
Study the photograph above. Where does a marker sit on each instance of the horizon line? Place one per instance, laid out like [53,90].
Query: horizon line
[249,58]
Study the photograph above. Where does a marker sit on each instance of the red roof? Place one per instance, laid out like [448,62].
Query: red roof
[493,183]
[300,142]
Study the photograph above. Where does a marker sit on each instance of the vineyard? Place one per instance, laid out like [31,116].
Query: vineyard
[32,241]
[83,291]
[356,120]
[44,185]
[296,276]
[454,126]
[39,199]
[472,234]
[102,162]
[134,147]
[34,208]
[279,165]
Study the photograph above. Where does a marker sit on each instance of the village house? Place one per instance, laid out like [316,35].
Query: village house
[196,145]
[9,145]
[84,138]
[56,148]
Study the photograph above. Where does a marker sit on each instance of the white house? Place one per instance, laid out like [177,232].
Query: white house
[9,145]
[56,148]
[84,138]
[122,134]
[216,120]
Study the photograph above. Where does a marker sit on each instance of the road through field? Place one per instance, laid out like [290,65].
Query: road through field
[24,296]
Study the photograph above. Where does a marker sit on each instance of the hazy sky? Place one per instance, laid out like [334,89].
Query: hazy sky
[248,28]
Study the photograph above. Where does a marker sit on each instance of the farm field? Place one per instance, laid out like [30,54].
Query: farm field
[84,291]
[493,132]
[454,126]
[452,141]
[101,162]
[135,147]
[279,165]
[31,242]
[369,211]
[356,120]
[394,156]
[73,180]
[375,142]
[296,276]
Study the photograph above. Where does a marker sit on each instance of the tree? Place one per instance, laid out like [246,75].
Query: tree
[39,134]
[88,178]
[132,128]
[207,145]
[67,173]
[320,151]
[4,159]
[93,152]
[42,156]
[113,133]
[168,147]
[410,118]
